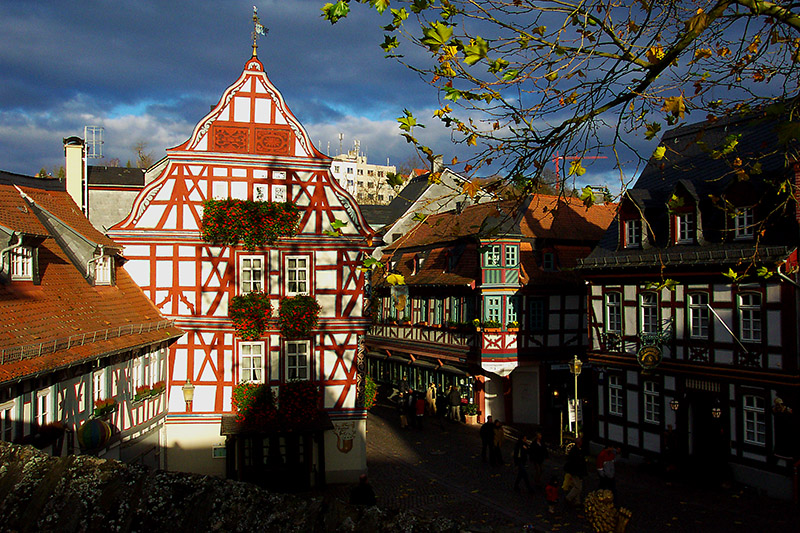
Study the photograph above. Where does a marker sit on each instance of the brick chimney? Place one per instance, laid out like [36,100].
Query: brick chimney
[74,167]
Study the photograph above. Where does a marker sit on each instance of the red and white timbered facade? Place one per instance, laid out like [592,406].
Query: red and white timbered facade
[251,147]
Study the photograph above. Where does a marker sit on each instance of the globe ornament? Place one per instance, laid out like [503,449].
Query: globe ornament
[93,434]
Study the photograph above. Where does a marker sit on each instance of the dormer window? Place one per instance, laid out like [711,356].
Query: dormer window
[417,263]
[102,270]
[743,224]
[21,259]
[685,228]
[633,233]
[549,261]
[492,255]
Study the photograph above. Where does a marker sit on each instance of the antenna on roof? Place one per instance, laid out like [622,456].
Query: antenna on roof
[341,136]
[93,139]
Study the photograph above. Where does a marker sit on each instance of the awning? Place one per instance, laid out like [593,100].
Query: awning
[452,370]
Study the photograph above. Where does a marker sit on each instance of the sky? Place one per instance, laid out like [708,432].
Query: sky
[149,71]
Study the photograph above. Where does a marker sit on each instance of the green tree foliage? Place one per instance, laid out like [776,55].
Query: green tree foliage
[524,80]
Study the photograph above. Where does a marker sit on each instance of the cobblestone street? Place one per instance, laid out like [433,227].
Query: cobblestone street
[437,471]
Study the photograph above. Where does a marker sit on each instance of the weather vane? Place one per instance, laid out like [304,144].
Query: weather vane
[258,29]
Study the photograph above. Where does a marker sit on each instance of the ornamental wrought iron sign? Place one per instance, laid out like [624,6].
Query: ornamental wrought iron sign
[650,354]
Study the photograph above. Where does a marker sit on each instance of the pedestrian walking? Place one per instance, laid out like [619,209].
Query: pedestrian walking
[419,409]
[487,437]
[575,472]
[401,409]
[430,399]
[551,494]
[455,403]
[521,452]
[497,443]
[538,454]
[606,471]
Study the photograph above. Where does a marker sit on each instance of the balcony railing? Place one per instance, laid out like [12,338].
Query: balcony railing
[18,353]
[424,334]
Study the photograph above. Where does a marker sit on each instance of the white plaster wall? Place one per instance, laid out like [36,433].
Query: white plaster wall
[189,447]
[345,466]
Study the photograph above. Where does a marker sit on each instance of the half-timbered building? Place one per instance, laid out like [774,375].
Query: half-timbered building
[82,350]
[694,298]
[490,304]
[250,147]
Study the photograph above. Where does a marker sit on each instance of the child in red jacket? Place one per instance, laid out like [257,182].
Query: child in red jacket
[551,494]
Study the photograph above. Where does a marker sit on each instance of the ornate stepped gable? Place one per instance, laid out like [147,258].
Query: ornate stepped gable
[250,147]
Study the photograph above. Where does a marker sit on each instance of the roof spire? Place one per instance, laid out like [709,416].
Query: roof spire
[258,29]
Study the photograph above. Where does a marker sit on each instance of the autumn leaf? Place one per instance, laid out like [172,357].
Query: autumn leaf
[702,53]
[395,279]
[674,105]
[588,197]
[338,224]
[658,153]
[475,51]
[472,140]
[471,188]
[652,130]
[436,36]
[576,169]
[698,22]
[334,12]
[454,161]
[655,54]
[551,76]
[389,43]
[379,5]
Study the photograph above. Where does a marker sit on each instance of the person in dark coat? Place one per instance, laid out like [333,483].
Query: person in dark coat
[538,455]
[455,403]
[487,436]
[362,494]
[497,443]
[521,452]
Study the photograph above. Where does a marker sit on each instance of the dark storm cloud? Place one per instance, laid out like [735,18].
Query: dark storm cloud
[159,65]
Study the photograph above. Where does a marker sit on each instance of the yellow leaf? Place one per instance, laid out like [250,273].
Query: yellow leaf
[455,160]
[674,105]
[472,140]
[658,153]
[551,76]
[655,54]
[576,168]
[471,188]
[395,279]
[702,53]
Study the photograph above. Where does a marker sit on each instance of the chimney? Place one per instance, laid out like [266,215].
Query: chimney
[438,164]
[73,153]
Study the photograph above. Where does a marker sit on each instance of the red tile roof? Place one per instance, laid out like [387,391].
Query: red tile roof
[64,306]
[16,215]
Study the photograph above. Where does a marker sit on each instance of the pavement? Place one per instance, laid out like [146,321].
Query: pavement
[437,471]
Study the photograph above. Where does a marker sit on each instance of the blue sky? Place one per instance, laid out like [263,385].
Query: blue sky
[149,70]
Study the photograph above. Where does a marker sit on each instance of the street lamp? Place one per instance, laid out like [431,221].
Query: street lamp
[674,404]
[575,367]
[188,393]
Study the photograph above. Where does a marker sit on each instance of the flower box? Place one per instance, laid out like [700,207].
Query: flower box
[298,402]
[254,224]
[104,407]
[298,315]
[158,388]
[142,392]
[249,313]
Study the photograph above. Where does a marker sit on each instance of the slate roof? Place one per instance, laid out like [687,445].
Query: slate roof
[565,225]
[47,184]
[689,168]
[116,176]
[52,325]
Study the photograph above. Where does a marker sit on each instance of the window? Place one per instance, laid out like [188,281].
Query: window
[336,168]
[494,306]
[423,310]
[754,420]
[296,275]
[102,270]
[438,311]
[698,315]
[7,421]
[750,317]
[99,385]
[297,360]
[614,396]
[349,170]
[686,227]
[380,173]
[43,407]
[536,313]
[652,403]
[260,192]
[648,309]
[21,263]
[614,312]
[251,363]
[512,255]
[136,373]
[549,261]
[743,224]
[633,233]
[360,172]
[370,172]
[512,309]
[491,257]
[454,311]
[251,274]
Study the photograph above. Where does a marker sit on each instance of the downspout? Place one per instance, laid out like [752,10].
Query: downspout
[7,249]
[92,260]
